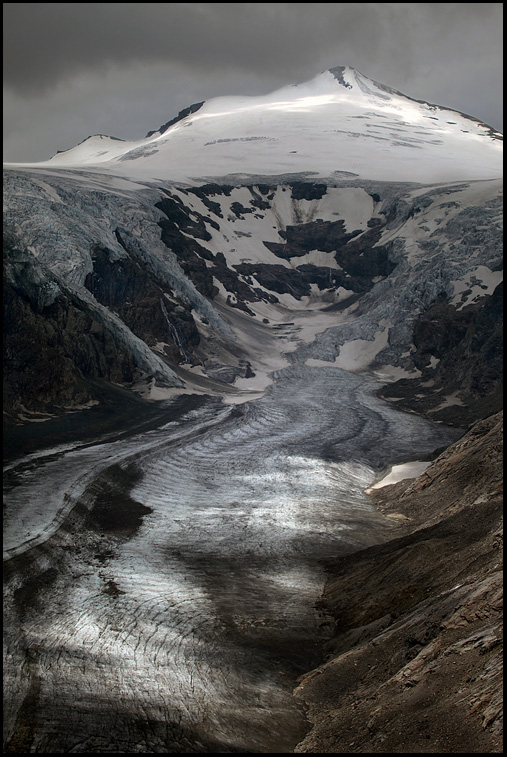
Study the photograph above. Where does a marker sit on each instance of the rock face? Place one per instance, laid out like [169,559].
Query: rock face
[468,347]
[415,661]
[127,288]
[53,344]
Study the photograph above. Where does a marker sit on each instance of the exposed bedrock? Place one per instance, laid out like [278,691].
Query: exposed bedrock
[128,288]
[459,354]
[354,265]
[57,343]
[53,344]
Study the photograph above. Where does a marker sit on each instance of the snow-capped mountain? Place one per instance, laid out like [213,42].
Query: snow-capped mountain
[338,198]
[341,124]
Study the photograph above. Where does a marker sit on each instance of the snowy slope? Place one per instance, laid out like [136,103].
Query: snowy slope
[340,124]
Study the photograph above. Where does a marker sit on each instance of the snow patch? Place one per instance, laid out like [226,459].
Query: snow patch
[449,400]
[400,473]
[477,283]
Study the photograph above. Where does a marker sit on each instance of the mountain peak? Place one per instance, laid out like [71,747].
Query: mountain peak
[351,79]
[340,123]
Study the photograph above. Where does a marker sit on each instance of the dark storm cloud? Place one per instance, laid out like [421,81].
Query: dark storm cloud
[125,68]
[49,42]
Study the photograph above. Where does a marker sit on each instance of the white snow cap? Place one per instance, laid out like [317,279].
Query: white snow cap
[341,124]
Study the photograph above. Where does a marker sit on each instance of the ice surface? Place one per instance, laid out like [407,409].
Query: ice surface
[173,622]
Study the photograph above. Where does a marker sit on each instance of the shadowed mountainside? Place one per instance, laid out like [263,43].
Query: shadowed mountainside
[415,661]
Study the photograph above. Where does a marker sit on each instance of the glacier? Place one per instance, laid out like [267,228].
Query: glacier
[259,276]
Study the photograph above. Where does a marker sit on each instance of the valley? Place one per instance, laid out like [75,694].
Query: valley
[218,341]
[188,557]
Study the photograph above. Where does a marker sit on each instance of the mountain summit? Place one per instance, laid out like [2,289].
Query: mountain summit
[340,124]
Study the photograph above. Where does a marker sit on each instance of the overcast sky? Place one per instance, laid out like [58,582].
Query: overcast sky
[123,69]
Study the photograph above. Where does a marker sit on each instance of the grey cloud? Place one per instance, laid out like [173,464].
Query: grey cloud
[49,42]
[125,68]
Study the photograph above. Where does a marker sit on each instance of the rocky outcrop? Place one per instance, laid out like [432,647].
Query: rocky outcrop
[180,233]
[128,288]
[181,115]
[459,354]
[53,346]
[356,261]
[415,660]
